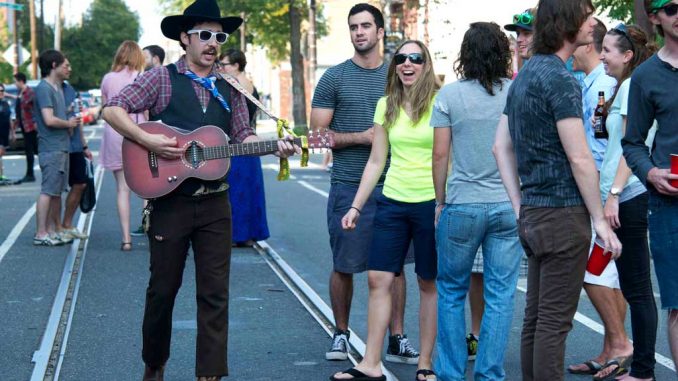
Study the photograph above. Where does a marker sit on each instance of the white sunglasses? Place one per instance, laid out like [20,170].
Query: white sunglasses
[206,35]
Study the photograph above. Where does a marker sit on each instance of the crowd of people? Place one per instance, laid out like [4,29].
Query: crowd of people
[471,181]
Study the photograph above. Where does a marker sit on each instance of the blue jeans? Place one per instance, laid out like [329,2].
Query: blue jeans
[463,228]
[663,226]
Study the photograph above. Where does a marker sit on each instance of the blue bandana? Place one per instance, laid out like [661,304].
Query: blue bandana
[208,83]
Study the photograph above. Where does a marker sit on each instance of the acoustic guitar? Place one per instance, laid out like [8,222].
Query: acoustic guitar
[206,156]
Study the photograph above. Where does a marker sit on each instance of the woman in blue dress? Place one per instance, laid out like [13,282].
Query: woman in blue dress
[246,179]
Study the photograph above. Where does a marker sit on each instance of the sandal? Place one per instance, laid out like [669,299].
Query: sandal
[620,363]
[425,373]
[126,246]
[358,376]
[592,366]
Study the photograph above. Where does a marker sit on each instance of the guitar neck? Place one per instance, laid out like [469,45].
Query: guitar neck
[243,149]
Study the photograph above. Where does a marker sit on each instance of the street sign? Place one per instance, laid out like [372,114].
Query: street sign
[8,55]
[17,7]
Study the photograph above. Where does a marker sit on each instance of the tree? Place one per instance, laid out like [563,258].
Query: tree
[92,46]
[297,61]
[629,11]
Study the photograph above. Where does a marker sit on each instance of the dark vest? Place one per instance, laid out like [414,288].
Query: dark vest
[184,111]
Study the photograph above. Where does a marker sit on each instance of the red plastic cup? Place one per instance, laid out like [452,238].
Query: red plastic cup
[597,261]
[674,169]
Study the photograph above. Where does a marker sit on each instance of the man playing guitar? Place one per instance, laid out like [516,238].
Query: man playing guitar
[188,94]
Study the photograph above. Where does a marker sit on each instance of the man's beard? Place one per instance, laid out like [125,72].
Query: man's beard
[365,49]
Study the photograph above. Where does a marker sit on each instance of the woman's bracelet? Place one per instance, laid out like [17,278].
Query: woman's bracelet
[359,212]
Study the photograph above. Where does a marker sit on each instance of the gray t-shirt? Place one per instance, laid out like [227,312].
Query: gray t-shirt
[352,92]
[473,115]
[544,93]
[50,139]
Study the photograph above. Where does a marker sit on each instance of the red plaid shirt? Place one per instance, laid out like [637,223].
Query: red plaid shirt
[152,90]
[27,99]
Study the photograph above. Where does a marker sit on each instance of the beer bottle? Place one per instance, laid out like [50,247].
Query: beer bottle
[599,118]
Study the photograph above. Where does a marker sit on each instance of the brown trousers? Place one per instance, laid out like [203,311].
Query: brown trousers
[556,241]
[204,222]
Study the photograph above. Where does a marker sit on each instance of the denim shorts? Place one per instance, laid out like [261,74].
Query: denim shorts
[54,168]
[663,226]
[395,225]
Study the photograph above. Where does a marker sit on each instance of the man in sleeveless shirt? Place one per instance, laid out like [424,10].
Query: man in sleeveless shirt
[198,212]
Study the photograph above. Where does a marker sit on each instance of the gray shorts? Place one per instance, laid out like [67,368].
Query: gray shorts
[350,249]
[54,168]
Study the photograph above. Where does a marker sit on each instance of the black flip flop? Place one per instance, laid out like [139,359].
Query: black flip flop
[592,365]
[425,373]
[622,363]
[358,376]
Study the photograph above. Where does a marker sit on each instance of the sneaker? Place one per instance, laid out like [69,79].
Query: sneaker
[139,232]
[75,233]
[339,349]
[472,346]
[63,237]
[45,241]
[400,350]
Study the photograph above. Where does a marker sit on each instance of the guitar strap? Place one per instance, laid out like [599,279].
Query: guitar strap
[282,127]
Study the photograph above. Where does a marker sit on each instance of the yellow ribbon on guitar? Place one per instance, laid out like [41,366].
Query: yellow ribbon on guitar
[284,172]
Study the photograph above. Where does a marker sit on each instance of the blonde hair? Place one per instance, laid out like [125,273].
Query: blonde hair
[420,94]
[128,55]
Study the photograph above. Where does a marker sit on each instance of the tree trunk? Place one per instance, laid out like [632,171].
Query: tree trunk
[298,90]
[641,18]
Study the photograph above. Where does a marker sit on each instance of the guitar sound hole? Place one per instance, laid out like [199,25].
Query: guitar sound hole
[194,155]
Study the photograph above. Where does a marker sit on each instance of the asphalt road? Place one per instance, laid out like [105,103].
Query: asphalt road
[272,335]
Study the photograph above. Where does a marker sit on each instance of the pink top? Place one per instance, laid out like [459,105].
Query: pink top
[110,154]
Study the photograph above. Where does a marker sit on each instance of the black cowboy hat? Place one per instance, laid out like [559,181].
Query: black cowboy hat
[200,10]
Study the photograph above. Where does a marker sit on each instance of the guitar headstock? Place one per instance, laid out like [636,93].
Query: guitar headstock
[319,139]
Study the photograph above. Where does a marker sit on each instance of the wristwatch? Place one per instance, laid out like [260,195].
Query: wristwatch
[616,192]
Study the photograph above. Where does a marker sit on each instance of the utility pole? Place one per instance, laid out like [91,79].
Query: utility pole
[15,37]
[243,33]
[42,25]
[34,48]
[312,59]
[57,26]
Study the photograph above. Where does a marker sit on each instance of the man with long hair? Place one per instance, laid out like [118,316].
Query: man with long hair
[549,174]
[651,98]
[344,102]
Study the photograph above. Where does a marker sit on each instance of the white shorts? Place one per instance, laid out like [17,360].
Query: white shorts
[609,278]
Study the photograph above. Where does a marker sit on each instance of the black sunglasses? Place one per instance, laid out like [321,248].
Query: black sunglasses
[415,58]
[669,9]
[206,35]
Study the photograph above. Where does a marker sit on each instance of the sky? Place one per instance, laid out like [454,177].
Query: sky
[149,13]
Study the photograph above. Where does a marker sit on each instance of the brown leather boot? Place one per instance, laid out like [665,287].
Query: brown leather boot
[154,374]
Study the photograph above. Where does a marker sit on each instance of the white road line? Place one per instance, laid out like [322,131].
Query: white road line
[583,319]
[41,356]
[16,232]
[597,327]
[317,301]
